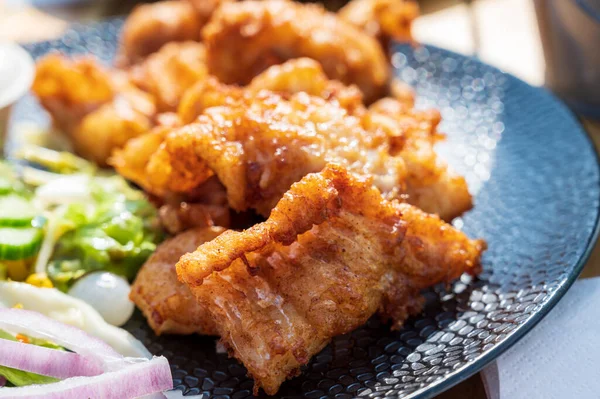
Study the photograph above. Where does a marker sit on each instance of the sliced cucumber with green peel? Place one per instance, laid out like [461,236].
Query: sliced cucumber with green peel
[19,243]
[16,211]
[6,186]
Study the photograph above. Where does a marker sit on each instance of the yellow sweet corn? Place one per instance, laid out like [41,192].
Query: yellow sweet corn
[39,280]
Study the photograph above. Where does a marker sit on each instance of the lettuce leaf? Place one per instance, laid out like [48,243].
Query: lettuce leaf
[19,378]
[116,231]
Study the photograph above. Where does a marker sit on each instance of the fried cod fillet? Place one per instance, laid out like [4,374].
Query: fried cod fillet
[259,143]
[293,76]
[332,254]
[244,38]
[386,20]
[168,304]
[150,26]
[98,108]
[206,206]
[169,72]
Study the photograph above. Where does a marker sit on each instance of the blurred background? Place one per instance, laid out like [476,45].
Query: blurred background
[548,42]
[501,32]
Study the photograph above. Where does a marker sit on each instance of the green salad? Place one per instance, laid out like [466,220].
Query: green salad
[67,219]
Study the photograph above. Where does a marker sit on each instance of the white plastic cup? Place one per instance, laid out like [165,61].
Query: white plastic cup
[16,75]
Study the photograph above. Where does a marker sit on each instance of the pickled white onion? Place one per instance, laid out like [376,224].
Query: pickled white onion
[132,381]
[46,361]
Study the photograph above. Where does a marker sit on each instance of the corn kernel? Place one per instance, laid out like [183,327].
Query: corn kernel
[39,280]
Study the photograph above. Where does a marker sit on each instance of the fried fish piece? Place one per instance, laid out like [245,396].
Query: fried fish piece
[243,39]
[168,304]
[109,127]
[101,109]
[258,144]
[131,160]
[70,89]
[430,183]
[98,108]
[206,206]
[206,8]
[150,26]
[262,144]
[332,254]
[169,72]
[305,75]
[385,20]
[293,76]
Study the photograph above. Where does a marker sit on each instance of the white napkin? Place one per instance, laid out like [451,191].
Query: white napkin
[559,358]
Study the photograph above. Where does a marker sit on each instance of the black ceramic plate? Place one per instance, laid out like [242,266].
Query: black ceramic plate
[535,177]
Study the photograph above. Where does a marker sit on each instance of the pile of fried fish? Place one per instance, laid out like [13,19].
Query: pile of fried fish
[297,178]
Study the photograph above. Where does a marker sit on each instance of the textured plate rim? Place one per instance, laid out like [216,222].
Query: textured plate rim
[476,366]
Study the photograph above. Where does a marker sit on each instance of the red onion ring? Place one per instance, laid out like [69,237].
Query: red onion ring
[120,377]
[46,361]
[132,381]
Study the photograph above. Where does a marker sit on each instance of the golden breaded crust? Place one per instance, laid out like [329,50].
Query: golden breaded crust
[385,20]
[169,72]
[98,108]
[150,26]
[167,304]
[259,143]
[244,38]
[332,254]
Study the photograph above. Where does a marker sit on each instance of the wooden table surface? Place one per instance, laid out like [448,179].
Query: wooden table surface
[503,33]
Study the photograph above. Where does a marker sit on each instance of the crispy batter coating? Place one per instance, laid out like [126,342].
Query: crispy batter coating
[99,109]
[169,72]
[169,305]
[258,144]
[430,183]
[244,38]
[293,76]
[262,144]
[107,128]
[131,160]
[206,206]
[71,89]
[307,75]
[331,255]
[205,8]
[176,218]
[150,26]
[382,19]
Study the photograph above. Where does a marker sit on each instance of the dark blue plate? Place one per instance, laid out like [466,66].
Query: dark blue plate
[535,177]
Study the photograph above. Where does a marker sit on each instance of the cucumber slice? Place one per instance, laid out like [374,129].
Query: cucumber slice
[19,243]
[16,211]
[5,186]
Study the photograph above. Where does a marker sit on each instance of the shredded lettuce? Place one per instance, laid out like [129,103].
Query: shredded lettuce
[55,161]
[19,378]
[93,219]
[116,231]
